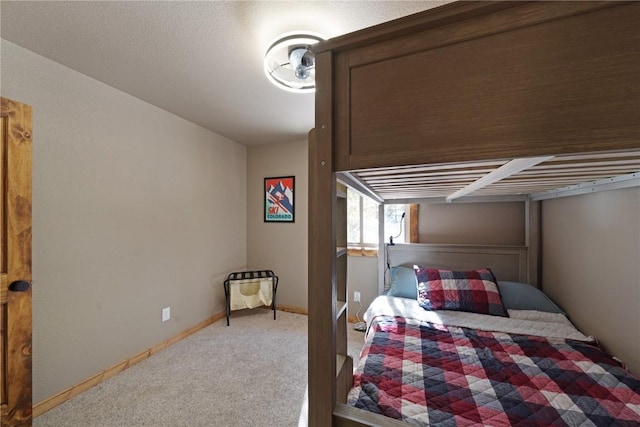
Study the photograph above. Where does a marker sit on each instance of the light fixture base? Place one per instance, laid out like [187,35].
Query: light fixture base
[289,63]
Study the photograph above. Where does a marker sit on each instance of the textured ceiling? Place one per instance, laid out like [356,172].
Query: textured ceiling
[199,60]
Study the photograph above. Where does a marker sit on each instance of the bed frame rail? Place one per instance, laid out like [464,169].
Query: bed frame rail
[348,416]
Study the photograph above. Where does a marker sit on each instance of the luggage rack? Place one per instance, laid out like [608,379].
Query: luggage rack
[250,275]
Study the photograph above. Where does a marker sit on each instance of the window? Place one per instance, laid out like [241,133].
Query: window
[395,223]
[362,222]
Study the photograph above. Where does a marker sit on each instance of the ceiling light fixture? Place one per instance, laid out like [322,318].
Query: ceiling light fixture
[289,63]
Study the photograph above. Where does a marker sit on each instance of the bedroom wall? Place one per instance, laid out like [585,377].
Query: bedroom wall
[590,266]
[134,209]
[486,224]
[362,276]
[281,247]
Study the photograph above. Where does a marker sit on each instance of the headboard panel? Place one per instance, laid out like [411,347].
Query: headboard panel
[507,262]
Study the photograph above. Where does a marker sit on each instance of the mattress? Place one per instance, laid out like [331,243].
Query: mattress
[447,368]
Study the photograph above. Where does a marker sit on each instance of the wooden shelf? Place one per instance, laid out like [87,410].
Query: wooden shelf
[344,375]
[343,362]
[341,307]
[340,359]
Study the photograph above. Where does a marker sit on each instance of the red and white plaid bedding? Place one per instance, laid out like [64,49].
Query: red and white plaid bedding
[430,374]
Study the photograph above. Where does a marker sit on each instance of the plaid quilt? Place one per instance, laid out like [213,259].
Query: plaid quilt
[475,291]
[429,374]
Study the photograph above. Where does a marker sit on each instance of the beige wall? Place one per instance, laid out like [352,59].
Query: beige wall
[281,247]
[472,223]
[362,276]
[464,223]
[134,209]
[591,266]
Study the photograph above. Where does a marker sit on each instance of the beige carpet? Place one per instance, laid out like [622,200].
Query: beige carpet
[252,373]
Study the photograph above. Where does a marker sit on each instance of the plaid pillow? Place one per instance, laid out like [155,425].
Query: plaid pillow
[475,291]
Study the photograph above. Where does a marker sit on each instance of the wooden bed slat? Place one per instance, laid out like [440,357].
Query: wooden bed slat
[557,172]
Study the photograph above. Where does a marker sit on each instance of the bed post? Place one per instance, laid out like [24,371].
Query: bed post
[532,242]
[382,250]
[322,254]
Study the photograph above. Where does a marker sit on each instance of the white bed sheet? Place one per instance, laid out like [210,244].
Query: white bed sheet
[525,322]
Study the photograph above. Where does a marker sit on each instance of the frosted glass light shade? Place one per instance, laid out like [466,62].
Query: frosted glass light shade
[289,63]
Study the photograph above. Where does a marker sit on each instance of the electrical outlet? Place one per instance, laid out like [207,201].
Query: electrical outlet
[356,296]
[166,314]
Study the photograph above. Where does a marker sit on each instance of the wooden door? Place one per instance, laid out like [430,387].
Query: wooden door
[15,264]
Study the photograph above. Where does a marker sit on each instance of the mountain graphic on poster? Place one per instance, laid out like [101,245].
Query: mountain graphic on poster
[281,196]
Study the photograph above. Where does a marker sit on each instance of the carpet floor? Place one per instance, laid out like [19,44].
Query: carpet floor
[252,373]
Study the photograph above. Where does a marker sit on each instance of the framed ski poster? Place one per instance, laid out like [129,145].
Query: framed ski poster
[279,199]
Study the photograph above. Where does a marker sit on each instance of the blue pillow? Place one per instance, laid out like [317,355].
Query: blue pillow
[403,283]
[522,296]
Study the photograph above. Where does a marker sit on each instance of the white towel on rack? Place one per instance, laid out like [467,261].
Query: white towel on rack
[250,293]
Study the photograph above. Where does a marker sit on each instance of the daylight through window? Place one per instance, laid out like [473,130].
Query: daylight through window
[395,223]
[362,222]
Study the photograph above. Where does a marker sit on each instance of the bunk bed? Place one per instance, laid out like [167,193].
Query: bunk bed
[493,100]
